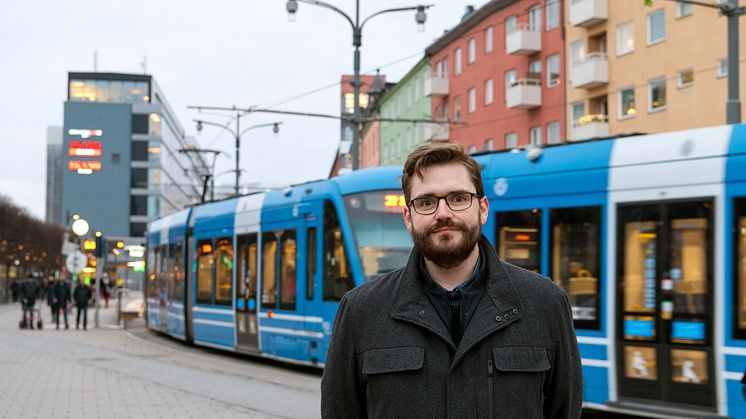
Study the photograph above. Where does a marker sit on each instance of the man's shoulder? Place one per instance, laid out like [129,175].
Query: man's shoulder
[532,282]
[382,288]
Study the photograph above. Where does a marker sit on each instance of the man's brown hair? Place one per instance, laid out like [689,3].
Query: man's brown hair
[428,155]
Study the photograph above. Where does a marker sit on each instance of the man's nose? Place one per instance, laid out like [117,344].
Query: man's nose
[443,211]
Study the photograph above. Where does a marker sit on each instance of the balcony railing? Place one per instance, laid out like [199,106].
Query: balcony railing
[590,71]
[523,40]
[590,126]
[435,132]
[436,86]
[588,12]
[524,94]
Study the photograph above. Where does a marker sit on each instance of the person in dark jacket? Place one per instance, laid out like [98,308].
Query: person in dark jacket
[61,291]
[52,298]
[28,293]
[82,296]
[14,288]
[456,333]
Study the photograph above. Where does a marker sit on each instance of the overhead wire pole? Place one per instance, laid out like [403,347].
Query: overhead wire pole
[357,36]
[210,176]
[732,12]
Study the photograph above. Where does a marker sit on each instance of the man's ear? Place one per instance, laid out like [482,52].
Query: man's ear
[407,218]
[484,209]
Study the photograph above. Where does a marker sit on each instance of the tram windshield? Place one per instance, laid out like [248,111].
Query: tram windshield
[381,236]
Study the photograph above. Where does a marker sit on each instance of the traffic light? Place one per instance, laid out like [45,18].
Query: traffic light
[100,244]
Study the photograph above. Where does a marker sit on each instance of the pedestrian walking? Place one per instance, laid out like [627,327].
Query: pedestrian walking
[82,295]
[14,288]
[28,293]
[105,289]
[62,294]
[52,298]
[456,332]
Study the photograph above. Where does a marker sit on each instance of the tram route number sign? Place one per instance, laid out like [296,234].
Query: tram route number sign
[76,261]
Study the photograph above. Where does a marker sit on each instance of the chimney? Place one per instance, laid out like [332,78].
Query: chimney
[469,11]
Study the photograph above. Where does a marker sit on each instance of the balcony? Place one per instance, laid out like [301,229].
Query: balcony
[436,86]
[436,132]
[588,12]
[523,40]
[524,94]
[590,126]
[590,72]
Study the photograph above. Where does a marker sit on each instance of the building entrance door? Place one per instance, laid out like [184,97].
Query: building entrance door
[664,316]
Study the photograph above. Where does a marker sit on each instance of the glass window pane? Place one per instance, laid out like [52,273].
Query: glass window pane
[511,140]
[82,90]
[288,280]
[689,265]
[575,259]
[246,260]
[224,272]
[656,26]
[627,103]
[205,262]
[689,366]
[657,90]
[310,263]
[178,271]
[640,363]
[337,276]
[269,270]
[625,41]
[102,91]
[553,70]
[740,263]
[519,239]
[640,263]
[552,14]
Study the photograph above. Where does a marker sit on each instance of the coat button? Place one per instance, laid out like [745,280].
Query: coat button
[498,318]
[422,312]
[507,316]
[515,311]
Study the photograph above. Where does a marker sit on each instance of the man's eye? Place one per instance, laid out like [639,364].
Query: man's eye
[459,198]
[427,202]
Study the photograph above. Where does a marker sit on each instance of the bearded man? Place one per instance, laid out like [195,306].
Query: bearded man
[456,333]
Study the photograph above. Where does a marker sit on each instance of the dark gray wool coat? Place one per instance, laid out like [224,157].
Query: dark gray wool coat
[392,357]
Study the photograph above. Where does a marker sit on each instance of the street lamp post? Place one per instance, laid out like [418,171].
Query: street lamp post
[237,135]
[357,41]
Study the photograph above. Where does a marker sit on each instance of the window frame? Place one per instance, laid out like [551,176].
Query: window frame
[553,21]
[648,19]
[556,82]
[558,126]
[532,136]
[679,83]
[506,219]
[211,255]
[471,51]
[488,40]
[656,81]
[489,92]
[457,65]
[621,114]
[471,100]
[216,279]
[722,68]
[739,211]
[619,40]
[512,135]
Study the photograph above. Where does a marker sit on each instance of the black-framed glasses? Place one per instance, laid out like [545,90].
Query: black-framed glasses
[456,201]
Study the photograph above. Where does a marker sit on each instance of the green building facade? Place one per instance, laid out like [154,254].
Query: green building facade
[406,100]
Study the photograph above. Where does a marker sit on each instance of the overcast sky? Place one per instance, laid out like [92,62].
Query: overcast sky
[201,52]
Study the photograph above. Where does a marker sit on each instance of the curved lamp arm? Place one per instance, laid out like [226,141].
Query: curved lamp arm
[199,121]
[331,7]
[269,124]
[398,9]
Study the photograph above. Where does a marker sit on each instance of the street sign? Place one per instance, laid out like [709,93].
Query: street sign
[76,261]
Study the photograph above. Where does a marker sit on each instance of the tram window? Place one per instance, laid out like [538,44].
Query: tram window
[310,262]
[337,276]
[519,238]
[171,271]
[246,263]
[288,279]
[178,270]
[163,273]
[205,261]
[269,269]
[575,260]
[640,264]
[740,266]
[224,272]
[152,258]
[689,265]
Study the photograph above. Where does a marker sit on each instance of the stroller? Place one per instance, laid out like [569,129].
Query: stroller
[35,315]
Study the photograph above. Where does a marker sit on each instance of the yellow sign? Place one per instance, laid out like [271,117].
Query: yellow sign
[89,245]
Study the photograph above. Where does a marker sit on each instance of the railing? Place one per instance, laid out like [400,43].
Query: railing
[595,55]
[589,118]
[526,82]
[523,26]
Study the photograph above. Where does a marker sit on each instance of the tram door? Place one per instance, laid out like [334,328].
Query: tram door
[246,309]
[665,318]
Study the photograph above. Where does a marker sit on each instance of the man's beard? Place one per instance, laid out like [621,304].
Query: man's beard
[446,251]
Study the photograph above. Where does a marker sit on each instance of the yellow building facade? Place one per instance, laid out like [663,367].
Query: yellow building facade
[634,68]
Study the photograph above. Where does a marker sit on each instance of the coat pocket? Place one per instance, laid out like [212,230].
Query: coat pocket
[516,381]
[396,382]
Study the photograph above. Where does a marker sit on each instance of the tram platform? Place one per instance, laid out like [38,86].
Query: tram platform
[108,372]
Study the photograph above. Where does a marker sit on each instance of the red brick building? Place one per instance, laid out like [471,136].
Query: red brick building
[499,75]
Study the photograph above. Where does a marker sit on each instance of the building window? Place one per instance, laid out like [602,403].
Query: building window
[722,67]
[457,108]
[137,229]
[657,27]
[511,22]
[534,19]
[511,140]
[553,133]
[472,100]
[578,112]
[577,52]
[553,70]
[683,10]
[139,178]
[627,107]
[446,67]
[439,69]
[534,70]
[489,144]
[685,78]
[140,124]
[625,38]
[457,57]
[535,136]
[488,40]
[552,14]
[511,77]
[657,94]
[139,205]
[488,92]
[472,50]
[139,150]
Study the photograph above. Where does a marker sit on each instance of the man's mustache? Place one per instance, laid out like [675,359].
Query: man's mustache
[446,223]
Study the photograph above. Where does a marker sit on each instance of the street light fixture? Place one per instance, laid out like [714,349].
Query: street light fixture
[357,36]
[80,227]
[237,134]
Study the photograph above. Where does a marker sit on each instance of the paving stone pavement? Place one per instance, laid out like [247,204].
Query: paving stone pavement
[102,373]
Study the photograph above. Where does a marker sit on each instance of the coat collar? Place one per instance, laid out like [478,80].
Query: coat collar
[498,307]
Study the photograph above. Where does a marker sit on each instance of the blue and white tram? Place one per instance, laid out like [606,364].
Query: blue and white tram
[647,234]
[265,272]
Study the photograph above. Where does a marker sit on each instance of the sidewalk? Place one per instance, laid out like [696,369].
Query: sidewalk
[102,373]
